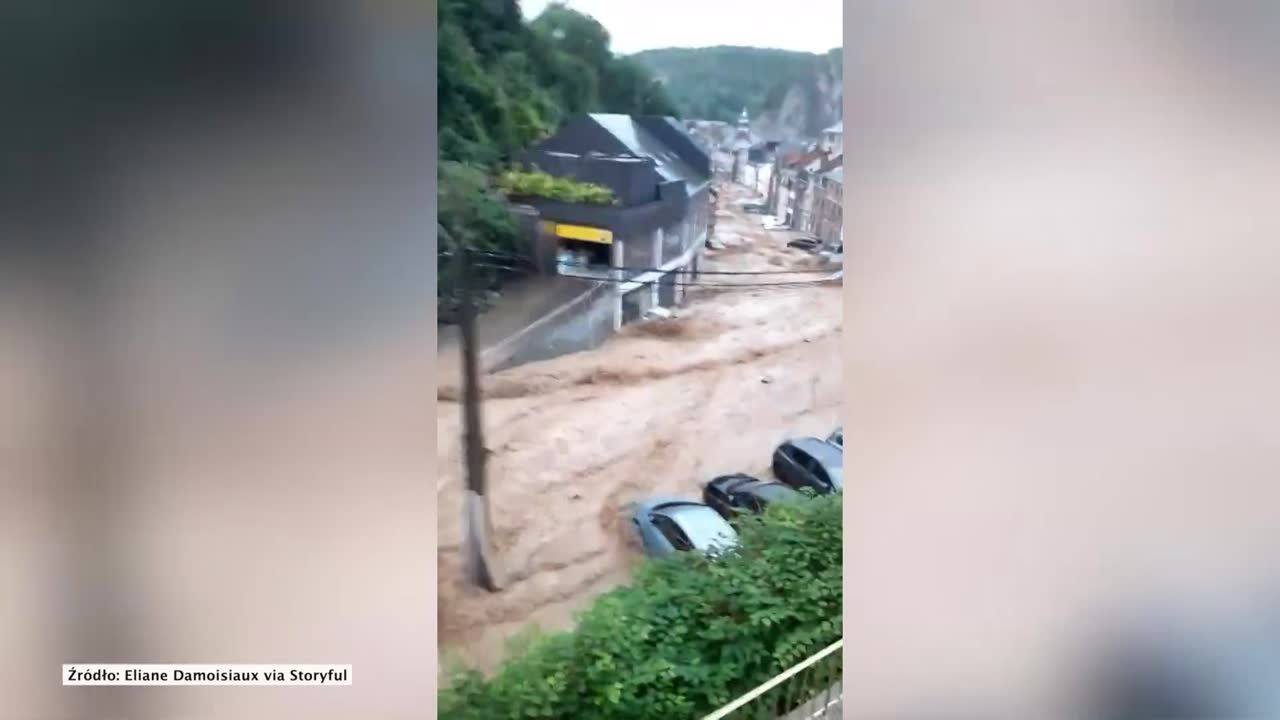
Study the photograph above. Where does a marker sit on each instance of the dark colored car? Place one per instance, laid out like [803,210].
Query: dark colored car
[810,463]
[732,495]
[837,437]
[668,525]
[807,243]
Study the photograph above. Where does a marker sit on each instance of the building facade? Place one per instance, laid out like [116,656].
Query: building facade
[790,194]
[741,149]
[657,230]
[828,215]
[833,139]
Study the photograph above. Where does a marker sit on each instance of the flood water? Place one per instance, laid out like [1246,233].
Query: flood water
[660,408]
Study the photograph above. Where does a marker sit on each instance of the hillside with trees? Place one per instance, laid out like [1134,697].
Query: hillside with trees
[791,93]
[504,83]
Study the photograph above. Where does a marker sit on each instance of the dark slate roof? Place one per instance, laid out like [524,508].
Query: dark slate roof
[641,142]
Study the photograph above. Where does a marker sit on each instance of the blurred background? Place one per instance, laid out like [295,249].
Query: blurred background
[215,347]
[1060,353]
[214,326]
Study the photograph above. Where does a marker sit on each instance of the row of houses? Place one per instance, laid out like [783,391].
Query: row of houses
[806,188]
[616,264]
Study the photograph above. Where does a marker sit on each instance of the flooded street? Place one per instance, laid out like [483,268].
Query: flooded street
[661,408]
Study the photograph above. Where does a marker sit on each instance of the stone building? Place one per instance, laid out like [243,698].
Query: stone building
[828,212]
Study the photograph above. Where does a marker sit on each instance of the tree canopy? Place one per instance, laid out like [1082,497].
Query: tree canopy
[504,83]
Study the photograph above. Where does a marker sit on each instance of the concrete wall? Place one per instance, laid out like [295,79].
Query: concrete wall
[681,234]
[642,299]
[638,250]
[675,240]
[582,324]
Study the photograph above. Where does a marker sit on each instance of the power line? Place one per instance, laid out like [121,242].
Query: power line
[520,260]
[699,272]
[743,285]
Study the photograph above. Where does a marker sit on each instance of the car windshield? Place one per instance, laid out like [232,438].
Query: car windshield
[773,493]
[704,526]
[837,476]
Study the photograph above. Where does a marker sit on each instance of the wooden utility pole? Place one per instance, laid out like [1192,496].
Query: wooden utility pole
[479,551]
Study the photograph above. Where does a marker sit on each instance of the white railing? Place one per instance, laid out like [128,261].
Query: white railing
[810,690]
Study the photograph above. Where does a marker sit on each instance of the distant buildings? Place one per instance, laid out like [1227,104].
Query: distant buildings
[833,139]
[710,134]
[806,191]
[741,148]
[828,211]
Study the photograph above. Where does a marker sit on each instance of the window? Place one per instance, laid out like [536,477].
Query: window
[821,473]
[671,532]
[576,256]
[715,493]
[810,463]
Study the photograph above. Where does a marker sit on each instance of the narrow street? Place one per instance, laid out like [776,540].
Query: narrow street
[661,408]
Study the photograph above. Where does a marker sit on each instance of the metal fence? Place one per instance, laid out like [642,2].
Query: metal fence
[811,690]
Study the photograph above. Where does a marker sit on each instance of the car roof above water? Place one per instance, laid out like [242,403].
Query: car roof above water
[702,524]
[825,452]
[660,503]
[735,481]
[773,491]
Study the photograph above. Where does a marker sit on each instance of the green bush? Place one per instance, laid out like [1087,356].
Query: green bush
[687,636]
[472,214]
[562,189]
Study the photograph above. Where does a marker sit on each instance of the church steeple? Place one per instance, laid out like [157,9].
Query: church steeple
[743,133]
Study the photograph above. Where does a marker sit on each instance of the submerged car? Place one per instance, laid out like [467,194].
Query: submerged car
[807,243]
[669,525]
[837,438]
[732,495]
[808,462]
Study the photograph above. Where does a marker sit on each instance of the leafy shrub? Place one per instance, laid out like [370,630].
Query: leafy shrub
[471,211]
[687,636]
[475,215]
[540,184]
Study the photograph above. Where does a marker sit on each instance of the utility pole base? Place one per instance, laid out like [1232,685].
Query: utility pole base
[481,560]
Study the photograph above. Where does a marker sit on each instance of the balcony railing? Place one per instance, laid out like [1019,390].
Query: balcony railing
[810,690]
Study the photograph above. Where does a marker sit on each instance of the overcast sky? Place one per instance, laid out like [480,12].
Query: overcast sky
[808,25]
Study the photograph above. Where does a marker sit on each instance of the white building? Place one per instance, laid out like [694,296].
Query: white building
[833,139]
[741,146]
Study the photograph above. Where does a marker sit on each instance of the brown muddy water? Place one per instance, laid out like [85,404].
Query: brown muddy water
[661,408]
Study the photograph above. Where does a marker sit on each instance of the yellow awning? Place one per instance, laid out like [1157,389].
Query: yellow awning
[581,232]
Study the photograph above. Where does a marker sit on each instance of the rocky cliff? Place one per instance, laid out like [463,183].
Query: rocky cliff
[790,96]
[806,105]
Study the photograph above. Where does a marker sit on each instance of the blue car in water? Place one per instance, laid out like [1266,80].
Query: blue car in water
[669,525]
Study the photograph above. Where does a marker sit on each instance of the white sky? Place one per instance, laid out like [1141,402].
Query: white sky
[634,25]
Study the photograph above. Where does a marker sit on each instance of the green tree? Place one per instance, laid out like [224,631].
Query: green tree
[631,86]
[576,34]
[504,84]
[472,214]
